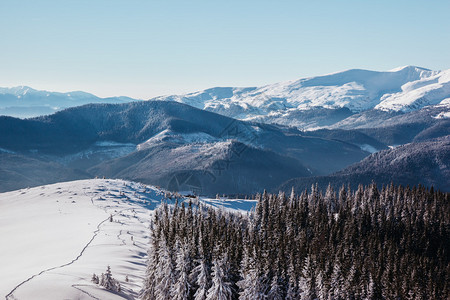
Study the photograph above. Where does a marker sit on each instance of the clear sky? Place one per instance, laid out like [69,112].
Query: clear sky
[148,48]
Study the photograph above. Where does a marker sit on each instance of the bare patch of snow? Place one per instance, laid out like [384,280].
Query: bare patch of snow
[167,135]
[368,148]
[6,150]
[443,115]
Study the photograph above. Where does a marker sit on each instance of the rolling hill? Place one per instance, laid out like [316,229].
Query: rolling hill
[152,141]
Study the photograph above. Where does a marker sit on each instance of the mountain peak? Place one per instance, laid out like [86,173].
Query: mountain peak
[17,90]
[409,67]
[409,87]
[401,89]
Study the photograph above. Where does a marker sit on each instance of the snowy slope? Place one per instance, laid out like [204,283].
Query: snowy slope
[417,94]
[404,89]
[55,237]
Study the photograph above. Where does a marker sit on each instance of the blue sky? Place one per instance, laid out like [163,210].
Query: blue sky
[148,48]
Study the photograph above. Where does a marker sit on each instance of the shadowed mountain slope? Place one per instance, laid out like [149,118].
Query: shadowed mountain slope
[167,132]
[426,163]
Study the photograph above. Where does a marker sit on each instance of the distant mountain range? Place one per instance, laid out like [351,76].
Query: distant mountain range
[238,140]
[25,102]
[324,100]
[307,103]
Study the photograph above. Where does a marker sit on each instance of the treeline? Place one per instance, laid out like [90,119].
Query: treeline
[392,243]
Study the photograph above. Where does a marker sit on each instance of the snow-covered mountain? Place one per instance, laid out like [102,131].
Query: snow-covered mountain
[308,102]
[55,237]
[402,89]
[155,142]
[23,101]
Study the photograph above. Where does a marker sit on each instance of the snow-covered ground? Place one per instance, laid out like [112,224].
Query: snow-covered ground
[55,237]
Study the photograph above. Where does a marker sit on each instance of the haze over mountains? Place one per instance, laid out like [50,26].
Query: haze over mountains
[25,102]
[237,140]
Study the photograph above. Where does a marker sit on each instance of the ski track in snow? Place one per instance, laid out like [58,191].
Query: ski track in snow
[77,287]
[120,239]
[10,295]
[7,297]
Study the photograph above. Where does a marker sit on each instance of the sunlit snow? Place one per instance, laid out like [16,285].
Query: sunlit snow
[55,237]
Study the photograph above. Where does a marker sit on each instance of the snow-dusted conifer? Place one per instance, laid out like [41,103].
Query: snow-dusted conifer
[330,200]
[221,286]
[337,282]
[182,287]
[276,289]
[250,286]
[292,289]
[370,289]
[351,286]
[321,288]
[165,272]
[108,282]
[306,284]
[292,197]
[148,292]
[201,272]
[95,279]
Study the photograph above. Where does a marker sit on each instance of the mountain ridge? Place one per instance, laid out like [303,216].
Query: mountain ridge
[402,89]
[356,89]
[426,163]
[130,140]
[26,102]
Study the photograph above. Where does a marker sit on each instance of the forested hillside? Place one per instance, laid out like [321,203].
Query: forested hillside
[363,244]
[426,163]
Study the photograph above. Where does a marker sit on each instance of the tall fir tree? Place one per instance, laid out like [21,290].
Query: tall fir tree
[221,286]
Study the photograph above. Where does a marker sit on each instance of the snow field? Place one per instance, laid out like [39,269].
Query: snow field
[55,237]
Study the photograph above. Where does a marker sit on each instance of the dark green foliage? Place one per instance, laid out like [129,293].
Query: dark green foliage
[392,243]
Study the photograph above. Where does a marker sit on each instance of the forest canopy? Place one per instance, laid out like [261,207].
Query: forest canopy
[368,243]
